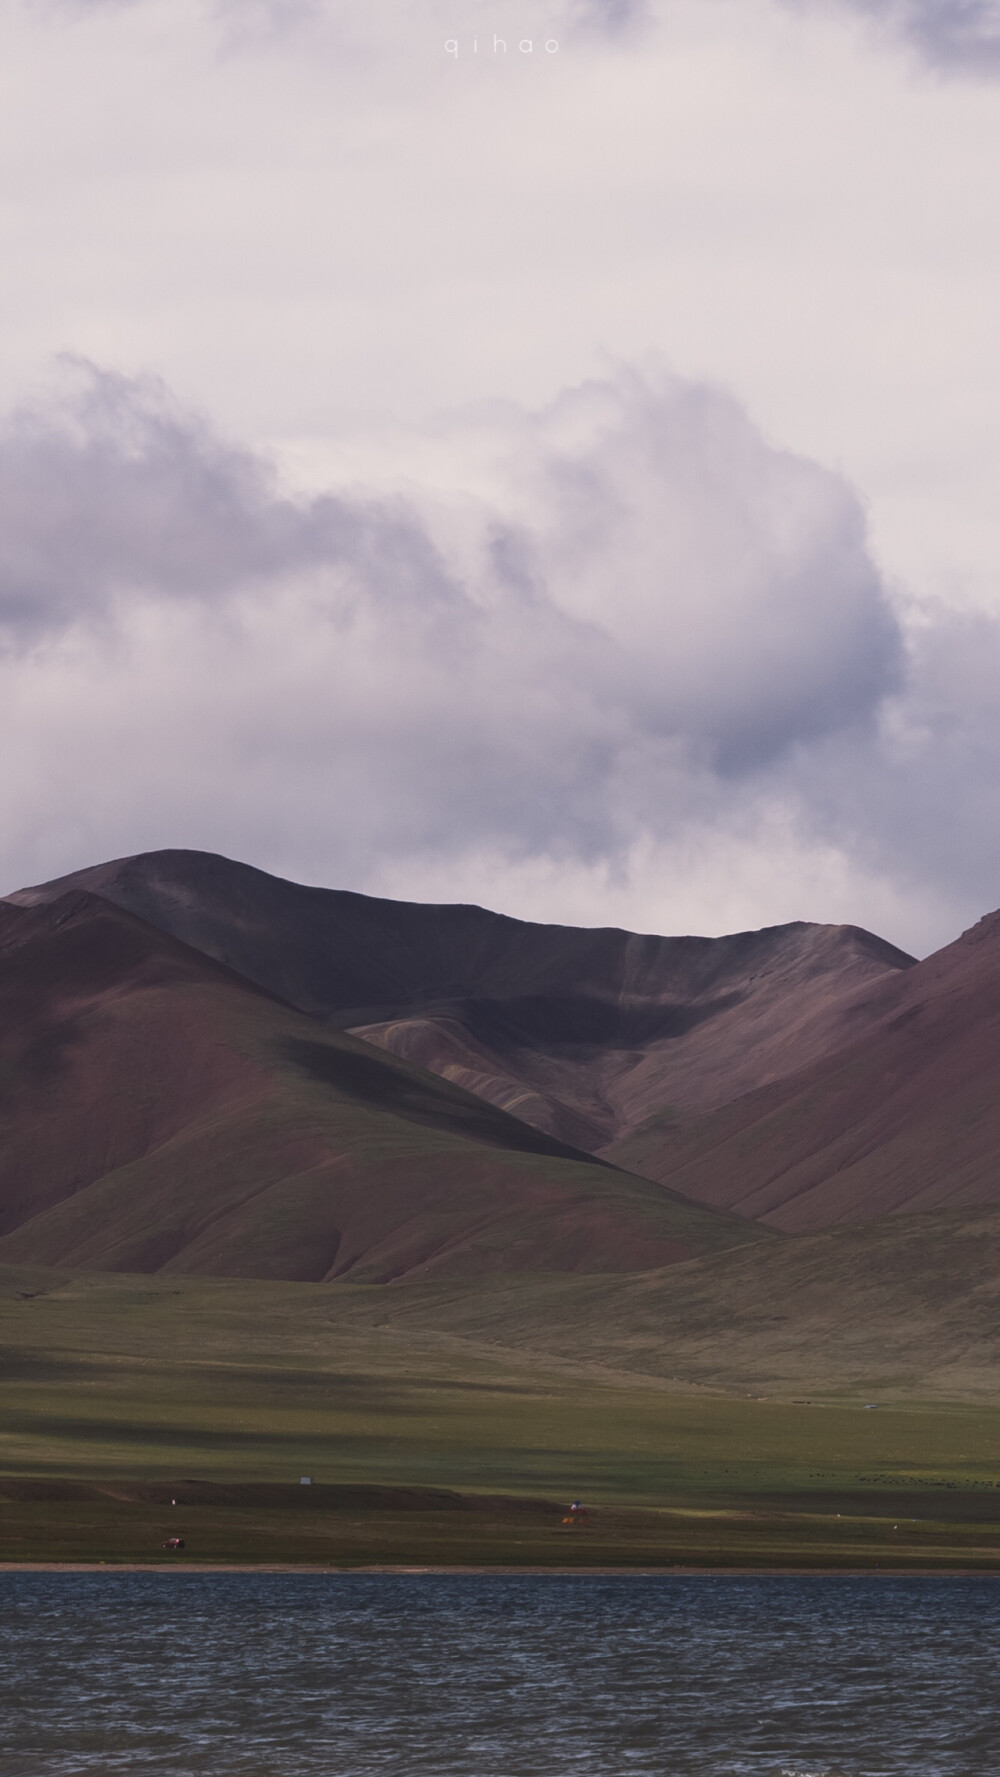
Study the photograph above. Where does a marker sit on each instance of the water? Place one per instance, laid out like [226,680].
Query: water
[343,1675]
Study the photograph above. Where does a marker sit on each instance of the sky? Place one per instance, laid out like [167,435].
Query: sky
[535,452]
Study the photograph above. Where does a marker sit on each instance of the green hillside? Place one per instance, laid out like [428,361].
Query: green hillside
[123,1385]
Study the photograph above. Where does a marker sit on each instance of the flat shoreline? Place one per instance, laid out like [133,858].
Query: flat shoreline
[333,1570]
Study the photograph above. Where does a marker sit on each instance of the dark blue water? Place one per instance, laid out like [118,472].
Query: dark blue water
[278,1675]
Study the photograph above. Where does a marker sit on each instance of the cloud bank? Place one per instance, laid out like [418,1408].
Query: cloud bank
[650,578]
[642,626]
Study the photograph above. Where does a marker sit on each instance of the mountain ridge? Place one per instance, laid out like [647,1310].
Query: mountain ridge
[903,1119]
[578,1031]
[161,1113]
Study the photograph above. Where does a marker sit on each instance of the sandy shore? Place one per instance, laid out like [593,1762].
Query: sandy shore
[574,1573]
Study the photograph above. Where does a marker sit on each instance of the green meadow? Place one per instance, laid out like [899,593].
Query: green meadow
[428,1445]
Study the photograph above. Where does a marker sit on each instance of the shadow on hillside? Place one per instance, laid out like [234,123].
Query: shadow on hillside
[387,1087]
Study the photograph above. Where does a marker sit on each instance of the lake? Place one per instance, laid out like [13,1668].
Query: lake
[500,1675]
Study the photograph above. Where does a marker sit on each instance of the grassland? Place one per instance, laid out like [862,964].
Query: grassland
[118,1393]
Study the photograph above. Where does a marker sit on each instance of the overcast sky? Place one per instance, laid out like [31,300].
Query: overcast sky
[563,477]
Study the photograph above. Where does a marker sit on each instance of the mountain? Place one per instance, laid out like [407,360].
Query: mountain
[165,1106]
[580,1033]
[160,1112]
[903,1118]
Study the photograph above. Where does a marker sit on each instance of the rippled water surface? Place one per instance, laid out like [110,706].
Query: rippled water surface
[278,1675]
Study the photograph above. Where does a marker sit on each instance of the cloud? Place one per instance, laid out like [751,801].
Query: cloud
[110,494]
[729,582]
[638,610]
[618,649]
[644,551]
[611,16]
[253,19]
[960,36]
[923,804]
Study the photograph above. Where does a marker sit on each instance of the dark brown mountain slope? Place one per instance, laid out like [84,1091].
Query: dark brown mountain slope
[905,1118]
[157,1112]
[581,1033]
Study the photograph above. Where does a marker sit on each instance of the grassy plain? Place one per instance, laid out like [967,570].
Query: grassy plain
[118,1393]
